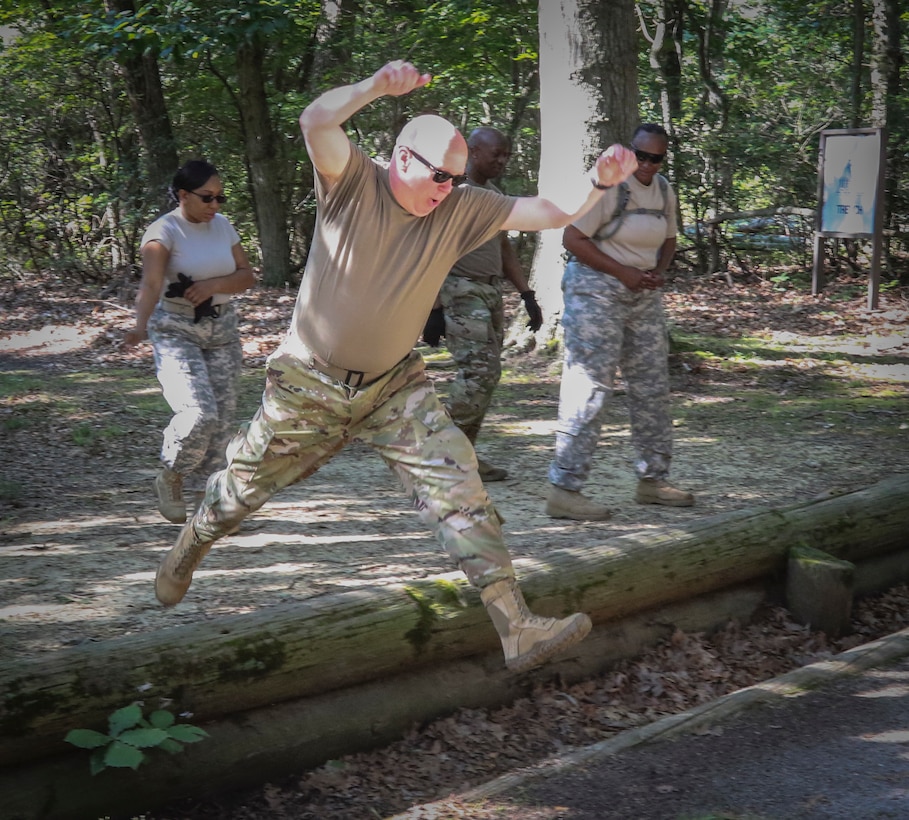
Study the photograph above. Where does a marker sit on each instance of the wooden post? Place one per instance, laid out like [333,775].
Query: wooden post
[819,590]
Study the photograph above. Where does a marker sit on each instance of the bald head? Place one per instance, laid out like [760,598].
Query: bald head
[490,151]
[488,136]
[427,140]
[432,136]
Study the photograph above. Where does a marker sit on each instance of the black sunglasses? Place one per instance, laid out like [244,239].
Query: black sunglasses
[645,156]
[209,198]
[438,175]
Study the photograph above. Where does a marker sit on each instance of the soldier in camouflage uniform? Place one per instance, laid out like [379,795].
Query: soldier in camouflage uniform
[613,317]
[192,261]
[470,304]
[346,371]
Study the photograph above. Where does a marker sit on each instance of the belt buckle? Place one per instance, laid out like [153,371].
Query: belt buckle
[335,372]
[358,373]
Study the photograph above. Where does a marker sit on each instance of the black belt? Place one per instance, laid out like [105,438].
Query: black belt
[483,280]
[351,378]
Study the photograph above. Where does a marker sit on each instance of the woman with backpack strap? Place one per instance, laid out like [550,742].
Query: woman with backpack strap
[613,317]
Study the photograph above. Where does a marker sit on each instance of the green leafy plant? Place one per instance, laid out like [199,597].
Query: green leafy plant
[93,436]
[129,734]
[10,490]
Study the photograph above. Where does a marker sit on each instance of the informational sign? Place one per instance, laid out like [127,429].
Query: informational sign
[851,164]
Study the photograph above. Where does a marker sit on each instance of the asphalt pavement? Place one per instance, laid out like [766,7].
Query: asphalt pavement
[829,740]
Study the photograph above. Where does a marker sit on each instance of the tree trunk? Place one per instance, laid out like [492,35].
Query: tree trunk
[283,653]
[886,63]
[269,183]
[665,57]
[588,100]
[142,78]
[714,111]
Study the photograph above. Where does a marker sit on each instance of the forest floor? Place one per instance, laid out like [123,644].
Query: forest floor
[778,397]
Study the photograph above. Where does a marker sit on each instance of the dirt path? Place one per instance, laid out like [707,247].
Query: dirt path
[81,540]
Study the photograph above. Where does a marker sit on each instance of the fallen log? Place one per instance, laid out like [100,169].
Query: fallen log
[285,653]
[262,745]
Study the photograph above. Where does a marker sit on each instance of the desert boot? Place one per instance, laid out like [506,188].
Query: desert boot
[562,503]
[527,639]
[169,489]
[657,491]
[175,573]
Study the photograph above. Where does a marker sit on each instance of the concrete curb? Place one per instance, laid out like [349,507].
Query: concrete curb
[793,684]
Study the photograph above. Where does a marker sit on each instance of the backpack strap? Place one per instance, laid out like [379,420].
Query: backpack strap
[609,228]
[614,222]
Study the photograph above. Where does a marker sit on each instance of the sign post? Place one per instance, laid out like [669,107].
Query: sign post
[850,197]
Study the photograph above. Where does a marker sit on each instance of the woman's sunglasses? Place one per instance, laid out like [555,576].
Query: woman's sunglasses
[438,175]
[209,198]
[645,156]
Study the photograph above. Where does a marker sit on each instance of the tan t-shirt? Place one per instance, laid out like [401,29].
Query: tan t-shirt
[484,261]
[202,250]
[374,270]
[640,236]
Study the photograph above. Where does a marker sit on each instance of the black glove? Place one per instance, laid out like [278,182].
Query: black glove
[533,310]
[434,329]
[178,288]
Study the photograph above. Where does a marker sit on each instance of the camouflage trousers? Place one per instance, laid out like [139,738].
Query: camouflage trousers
[474,334]
[306,417]
[198,367]
[606,327]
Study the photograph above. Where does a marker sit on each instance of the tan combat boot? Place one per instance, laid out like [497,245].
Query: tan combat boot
[175,572]
[527,639]
[489,472]
[169,488]
[563,503]
[657,491]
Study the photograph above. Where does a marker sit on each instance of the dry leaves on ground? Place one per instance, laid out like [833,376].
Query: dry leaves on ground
[475,745]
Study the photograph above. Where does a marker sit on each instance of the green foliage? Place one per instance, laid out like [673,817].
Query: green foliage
[90,435]
[10,491]
[129,734]
[756,83]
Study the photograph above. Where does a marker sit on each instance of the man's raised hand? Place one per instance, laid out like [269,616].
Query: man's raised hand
[399,77]
[615,165]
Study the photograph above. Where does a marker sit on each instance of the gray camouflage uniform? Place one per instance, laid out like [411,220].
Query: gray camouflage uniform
[608,326]
[198,367]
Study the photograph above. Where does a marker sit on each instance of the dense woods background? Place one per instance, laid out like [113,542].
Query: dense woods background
[102,100]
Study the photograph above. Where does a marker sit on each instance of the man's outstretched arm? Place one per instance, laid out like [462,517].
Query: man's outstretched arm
[321,120]
[536,213]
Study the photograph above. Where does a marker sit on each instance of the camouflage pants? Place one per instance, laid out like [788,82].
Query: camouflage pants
[474,334]
[307,417]
[198,367]
[608,326]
